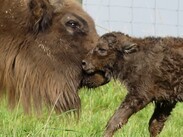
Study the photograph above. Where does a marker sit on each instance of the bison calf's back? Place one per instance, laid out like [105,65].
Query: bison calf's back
[151,69]
[42,43]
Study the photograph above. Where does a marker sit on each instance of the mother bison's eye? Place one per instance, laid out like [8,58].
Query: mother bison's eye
[73,24]
[101,51]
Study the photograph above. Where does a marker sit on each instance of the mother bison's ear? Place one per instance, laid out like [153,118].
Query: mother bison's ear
[41,13]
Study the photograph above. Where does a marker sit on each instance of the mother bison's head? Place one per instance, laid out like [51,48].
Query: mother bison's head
[42,43]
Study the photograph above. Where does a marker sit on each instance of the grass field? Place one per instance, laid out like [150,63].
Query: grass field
[97,107]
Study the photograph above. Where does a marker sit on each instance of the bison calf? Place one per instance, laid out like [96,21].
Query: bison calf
[152,70]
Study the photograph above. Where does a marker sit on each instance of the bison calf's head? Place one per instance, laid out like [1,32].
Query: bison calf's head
[105,57]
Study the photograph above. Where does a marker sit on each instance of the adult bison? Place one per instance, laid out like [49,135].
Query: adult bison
[42,43]
[152,70]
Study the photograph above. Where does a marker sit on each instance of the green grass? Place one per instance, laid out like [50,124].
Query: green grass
[98,105]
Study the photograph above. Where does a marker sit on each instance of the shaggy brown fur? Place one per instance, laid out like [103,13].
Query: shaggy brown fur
[152,70]
[42,43]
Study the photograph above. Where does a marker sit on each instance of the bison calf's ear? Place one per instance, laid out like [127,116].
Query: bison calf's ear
[129,48]
[40,15]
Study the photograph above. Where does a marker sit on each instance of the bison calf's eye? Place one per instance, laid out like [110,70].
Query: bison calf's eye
[102,51]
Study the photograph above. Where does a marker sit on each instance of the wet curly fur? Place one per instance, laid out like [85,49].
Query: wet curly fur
[42,43]
[152,70]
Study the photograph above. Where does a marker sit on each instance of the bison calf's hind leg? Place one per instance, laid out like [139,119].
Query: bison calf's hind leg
[160,115]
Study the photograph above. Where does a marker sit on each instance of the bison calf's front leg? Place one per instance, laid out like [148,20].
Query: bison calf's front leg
[131,105]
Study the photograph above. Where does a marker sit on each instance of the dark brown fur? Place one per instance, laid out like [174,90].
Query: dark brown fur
[42,43]
[152,70]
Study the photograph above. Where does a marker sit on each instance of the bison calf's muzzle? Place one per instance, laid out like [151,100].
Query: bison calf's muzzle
[87,67]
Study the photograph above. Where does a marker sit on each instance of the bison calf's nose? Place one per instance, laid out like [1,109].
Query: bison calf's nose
[87,67]
[84,64]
